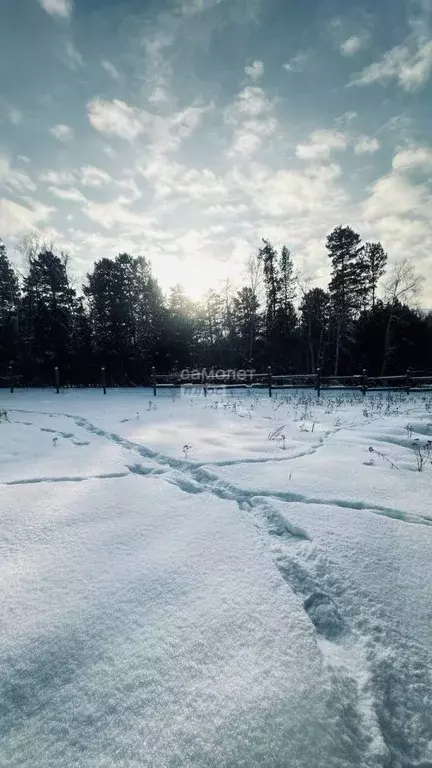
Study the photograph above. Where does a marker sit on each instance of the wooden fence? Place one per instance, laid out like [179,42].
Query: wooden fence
[204,382]
[408,382]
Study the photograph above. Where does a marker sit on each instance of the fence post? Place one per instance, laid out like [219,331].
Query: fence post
[57,379]
[364,381]
[153,376]
[11,380]
[103,379]
[204,381]
[318,382]
[408,381]
[269,380]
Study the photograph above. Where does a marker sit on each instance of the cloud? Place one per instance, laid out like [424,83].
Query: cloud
[255,70]
[14,180]
[18,181]
[160,94]
[61,8]
[58,178]
[94,177]
[117,118]
[297,62]
[114,215]
[15,115]
[192,7]
[111,69]
[251,114]
[366,145]
[353,44]
[248,138]
[394,195]
[347,118]
[321,144]
[409,64]
[292,192]
[74,59]
[15,218]
[251,102]
[226,210]
[62,132]
[130,186]
[170,178]
[72,195]
[417,158]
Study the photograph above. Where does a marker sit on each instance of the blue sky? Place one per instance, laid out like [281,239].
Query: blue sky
[186,130]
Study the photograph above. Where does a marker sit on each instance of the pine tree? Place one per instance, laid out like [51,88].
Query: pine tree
[315,312]
[9,300]
[287,280]
[181,327]
[47,315]
[247,324]
[273,284]
[127,316]
[374,260]
[347,285]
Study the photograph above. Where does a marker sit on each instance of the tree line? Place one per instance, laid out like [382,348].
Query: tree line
[120,318]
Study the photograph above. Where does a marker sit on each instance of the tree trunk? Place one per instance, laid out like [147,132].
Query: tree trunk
[387,342]
[338,338]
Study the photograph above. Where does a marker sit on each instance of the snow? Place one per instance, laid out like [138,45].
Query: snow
[251,602]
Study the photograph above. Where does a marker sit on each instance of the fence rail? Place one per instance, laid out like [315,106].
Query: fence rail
[409,381]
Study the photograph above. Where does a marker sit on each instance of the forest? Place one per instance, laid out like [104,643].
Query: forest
[367,317]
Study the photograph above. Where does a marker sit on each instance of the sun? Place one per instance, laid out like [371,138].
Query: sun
[197,275]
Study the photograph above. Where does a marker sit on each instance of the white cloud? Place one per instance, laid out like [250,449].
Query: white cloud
[292,192]
[321,144]
[72,195]
[18,181]
[112,215]
[131,187]
[394,195]
[15,115]
[15,218]
[353,44]
[345,119]
[73,57]
[416,158]
[251,114]
[251,102]
[169,178]
[58,178]
[255,70]
[57,7]
[226,210]
[410,65]
[198,6]
[111,69]
[94,177]
[14,180]
[159,94]
[297,62]
[62,132]
[366,145]
[402,235]
[116,118]
[248,138]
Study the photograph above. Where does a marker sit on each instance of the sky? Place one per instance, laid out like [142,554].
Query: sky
[187,130]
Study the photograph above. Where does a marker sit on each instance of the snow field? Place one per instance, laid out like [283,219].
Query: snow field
[259,603]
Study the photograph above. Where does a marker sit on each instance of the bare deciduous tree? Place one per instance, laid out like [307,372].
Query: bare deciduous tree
[402,286]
